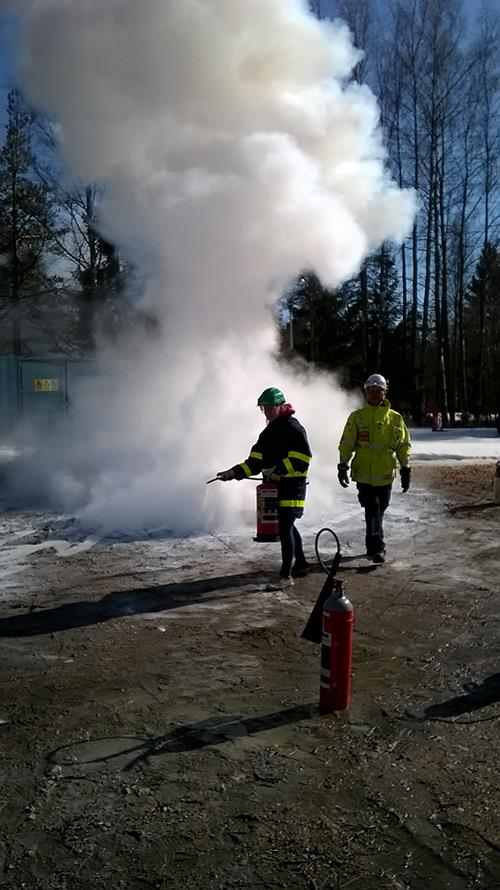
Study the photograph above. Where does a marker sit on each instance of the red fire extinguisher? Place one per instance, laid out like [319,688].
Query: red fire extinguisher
[336,651]
[268,528]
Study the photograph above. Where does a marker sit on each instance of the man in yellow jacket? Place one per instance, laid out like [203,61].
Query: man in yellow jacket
[379,439]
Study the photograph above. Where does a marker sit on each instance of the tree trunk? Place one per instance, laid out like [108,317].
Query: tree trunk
[15,286]
[363,286]
[448,414]
[89,286]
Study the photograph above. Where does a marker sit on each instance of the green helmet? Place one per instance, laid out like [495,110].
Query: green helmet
[271,396]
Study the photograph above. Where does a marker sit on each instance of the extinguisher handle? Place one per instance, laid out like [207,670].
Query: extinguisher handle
[336,559]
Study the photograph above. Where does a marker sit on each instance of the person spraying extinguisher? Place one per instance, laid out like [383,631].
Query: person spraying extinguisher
[282,453]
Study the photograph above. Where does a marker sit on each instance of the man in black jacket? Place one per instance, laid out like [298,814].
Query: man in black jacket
[283,454]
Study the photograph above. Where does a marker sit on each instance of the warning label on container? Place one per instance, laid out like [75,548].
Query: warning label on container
[46,384]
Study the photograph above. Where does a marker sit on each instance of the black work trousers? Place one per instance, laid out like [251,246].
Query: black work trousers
[292,551]
[375,499]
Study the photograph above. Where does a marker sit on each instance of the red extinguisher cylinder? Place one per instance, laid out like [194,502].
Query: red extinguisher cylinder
[336,652]
[268,527]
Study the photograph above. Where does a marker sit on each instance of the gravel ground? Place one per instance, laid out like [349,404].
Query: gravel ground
[159,726]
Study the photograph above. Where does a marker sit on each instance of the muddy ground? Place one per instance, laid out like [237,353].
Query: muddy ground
[159,728]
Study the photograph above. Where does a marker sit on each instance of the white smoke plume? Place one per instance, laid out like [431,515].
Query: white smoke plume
[235,152]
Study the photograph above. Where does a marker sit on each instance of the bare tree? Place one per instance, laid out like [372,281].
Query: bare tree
[487,85]
[92,266]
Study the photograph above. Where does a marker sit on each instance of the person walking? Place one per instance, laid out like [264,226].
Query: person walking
[379,439]
[282,453]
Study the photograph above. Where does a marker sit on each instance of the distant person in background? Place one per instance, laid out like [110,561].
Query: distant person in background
[283,455]
[436,419]
[379,439]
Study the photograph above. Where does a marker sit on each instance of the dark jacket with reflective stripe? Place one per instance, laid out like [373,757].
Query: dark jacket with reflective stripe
[282,450]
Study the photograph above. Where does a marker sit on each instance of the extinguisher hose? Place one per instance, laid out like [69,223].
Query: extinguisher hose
[313,629]
[336,559]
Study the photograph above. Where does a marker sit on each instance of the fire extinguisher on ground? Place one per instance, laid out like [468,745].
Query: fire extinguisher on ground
[331,624]
[496,484]
[336,652]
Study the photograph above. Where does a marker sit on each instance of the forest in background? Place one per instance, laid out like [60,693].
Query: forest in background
[426,314]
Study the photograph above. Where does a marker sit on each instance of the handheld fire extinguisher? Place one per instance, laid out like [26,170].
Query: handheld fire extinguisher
[330,624]
[268,528]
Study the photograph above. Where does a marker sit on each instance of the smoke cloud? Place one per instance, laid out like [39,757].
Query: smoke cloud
[235,152]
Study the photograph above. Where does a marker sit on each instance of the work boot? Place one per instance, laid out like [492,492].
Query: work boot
[301,569]
[280,584]
[379,557]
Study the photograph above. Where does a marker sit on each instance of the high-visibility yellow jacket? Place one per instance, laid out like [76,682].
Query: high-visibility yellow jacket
[379,438]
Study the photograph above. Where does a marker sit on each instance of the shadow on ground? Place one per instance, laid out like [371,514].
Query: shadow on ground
[191,737]
[478,696]
[128,602]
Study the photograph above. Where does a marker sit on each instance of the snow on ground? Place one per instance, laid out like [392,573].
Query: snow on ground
[27,529]
[456,444]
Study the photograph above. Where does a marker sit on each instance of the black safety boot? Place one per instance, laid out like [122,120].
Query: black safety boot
[301,570]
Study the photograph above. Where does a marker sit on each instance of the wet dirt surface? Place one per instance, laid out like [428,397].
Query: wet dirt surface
[159,724]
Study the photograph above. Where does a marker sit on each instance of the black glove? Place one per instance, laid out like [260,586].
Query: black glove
[225,475]
[343,475]
[405,473]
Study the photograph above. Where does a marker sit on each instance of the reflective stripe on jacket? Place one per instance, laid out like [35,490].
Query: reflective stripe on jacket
[379,439]
[282,451]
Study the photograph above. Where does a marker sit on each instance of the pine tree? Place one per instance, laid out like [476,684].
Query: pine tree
[482,315]
[316,327]
[25,224]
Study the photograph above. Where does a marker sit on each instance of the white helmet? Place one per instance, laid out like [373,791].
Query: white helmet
[376,380]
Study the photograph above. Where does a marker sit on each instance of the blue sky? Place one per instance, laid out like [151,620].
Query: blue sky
[9,33]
